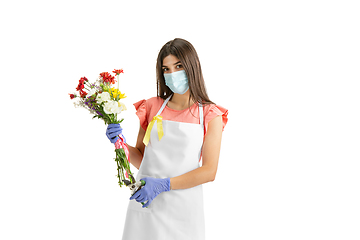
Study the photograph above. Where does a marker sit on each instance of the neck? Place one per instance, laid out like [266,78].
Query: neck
[181,101]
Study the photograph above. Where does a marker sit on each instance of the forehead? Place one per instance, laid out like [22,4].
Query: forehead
[170,60]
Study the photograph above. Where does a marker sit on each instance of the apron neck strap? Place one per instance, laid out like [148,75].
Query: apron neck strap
[163,106]
[201,113]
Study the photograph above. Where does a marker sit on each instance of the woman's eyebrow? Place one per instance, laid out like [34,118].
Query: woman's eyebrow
[174,64]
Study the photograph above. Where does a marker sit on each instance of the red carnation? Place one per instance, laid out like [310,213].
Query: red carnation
[83,80]
[83,93]
[80,87]
[72,96]
[107,78]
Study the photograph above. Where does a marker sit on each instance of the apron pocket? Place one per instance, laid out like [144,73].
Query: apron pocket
[136,206]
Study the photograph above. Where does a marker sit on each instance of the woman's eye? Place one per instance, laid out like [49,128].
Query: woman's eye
[179,66]
[165,69]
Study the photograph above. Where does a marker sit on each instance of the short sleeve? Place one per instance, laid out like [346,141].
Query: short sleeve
[214,111]
[141,112]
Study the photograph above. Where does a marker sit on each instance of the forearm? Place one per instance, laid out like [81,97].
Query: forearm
[136,156]
[193,178]
[137,152]
[210,157]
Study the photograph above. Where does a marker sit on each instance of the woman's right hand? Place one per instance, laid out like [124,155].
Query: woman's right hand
[112,132]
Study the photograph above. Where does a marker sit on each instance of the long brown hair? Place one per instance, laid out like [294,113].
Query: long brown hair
[186,53]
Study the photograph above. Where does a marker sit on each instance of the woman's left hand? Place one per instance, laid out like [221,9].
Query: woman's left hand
[152,188]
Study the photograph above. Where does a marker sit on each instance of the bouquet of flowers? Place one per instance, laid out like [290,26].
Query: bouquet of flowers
[103,102]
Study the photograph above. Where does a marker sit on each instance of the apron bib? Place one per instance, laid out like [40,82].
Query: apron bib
[177,214]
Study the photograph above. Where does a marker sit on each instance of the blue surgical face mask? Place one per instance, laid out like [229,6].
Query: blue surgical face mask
[177,81]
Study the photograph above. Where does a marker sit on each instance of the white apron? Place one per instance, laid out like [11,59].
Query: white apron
[177,214]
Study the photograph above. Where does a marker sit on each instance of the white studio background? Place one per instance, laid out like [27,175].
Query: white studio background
[288,71]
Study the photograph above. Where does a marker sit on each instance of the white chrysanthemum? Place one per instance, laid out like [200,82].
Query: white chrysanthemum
[122,105]
[103,97]
[112,107]
[91,92]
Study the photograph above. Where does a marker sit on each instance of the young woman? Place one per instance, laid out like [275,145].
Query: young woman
[178,128]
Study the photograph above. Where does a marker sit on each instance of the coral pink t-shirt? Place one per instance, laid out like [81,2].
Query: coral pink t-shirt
[147,109]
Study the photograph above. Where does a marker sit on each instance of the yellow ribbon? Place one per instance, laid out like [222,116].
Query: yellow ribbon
[158,120]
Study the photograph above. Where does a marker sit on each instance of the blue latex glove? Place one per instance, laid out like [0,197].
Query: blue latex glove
[152,188]
[112,132]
